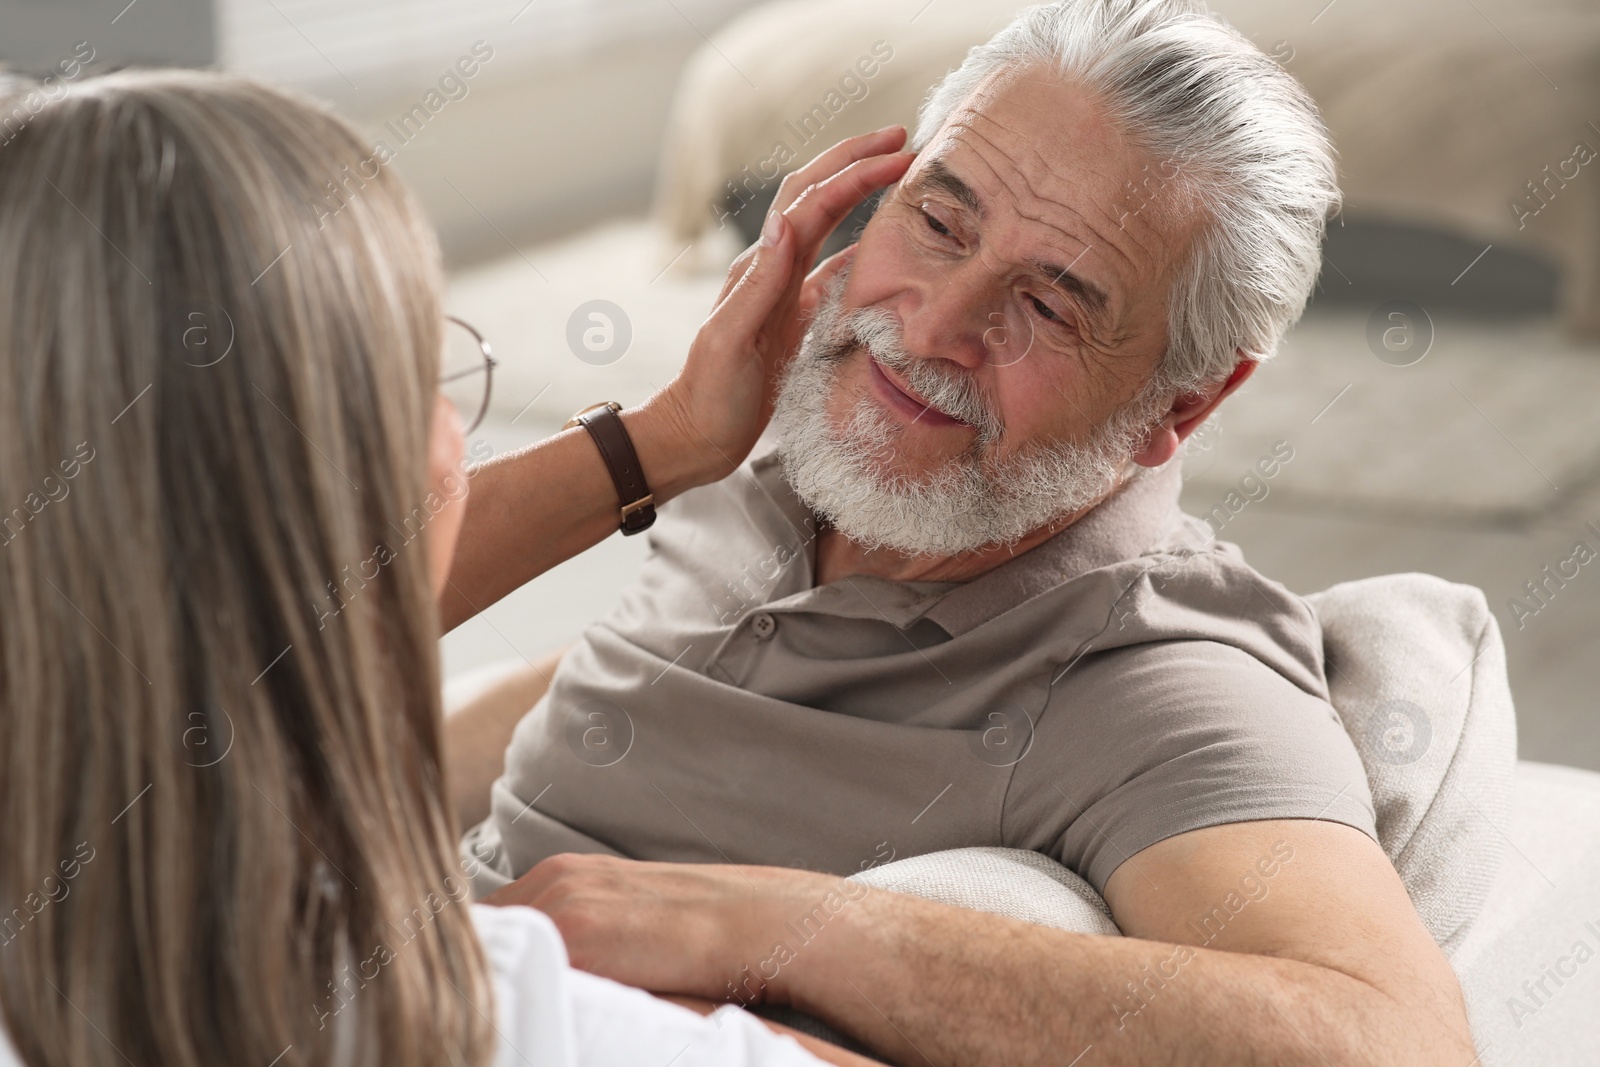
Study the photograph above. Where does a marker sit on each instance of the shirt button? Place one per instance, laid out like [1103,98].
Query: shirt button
[763,626]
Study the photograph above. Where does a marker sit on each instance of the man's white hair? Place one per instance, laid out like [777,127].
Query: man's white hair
[1245,140]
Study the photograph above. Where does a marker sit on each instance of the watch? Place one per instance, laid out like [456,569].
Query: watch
[604,423]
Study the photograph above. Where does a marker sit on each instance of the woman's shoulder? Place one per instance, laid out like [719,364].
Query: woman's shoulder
[528,968]
[518,940]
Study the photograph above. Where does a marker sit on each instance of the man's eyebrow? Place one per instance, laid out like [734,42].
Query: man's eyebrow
[1093,298]
[938,176]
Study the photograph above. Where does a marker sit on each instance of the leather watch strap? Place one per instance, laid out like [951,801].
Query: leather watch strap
[604,423]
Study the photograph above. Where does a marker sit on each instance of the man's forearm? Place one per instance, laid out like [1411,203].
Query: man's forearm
[926,984]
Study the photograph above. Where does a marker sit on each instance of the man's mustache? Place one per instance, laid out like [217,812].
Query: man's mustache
[944,386]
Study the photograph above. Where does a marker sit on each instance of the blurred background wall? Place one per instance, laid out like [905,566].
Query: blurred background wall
[1439,397]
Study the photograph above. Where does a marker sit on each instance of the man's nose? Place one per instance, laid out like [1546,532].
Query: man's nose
[952,316]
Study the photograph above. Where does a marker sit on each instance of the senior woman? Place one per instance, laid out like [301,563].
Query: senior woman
[227,836]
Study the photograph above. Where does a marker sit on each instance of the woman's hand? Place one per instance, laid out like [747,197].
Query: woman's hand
[721,400]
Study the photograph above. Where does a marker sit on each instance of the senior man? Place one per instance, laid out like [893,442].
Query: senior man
[955,603]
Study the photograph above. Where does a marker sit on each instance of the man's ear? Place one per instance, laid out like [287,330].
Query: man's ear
[1188,411]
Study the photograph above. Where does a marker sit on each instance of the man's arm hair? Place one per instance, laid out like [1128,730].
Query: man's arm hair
[1324,963]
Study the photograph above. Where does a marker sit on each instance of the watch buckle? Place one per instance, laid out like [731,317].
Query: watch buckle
[574,421]
[643,502]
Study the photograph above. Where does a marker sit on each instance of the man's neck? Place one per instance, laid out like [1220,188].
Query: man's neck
[839,557]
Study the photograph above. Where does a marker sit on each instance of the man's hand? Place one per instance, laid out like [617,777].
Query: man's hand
[1288,941]
[685,929]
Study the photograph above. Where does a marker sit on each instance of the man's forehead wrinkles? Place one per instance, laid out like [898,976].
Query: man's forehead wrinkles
[1041,165]
[1099,240]
[1018,200]
[1091,239]
[1030,152]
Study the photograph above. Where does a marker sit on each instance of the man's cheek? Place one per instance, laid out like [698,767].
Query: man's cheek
[1010,339]
[888,264]
[1017,398]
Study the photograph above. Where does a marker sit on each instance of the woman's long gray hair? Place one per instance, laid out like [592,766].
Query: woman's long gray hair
[225,839]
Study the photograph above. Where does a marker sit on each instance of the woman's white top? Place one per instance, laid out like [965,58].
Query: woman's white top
[552,1015]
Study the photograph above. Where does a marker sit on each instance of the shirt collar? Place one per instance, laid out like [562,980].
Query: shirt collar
[1119,528]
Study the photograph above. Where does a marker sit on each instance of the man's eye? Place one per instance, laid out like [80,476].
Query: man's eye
[935,225]
[1044,310]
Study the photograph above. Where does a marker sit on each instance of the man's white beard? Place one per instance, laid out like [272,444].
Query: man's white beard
[973,501]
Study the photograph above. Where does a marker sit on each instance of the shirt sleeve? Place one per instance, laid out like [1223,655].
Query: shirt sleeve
[550,1014]
[1158,739]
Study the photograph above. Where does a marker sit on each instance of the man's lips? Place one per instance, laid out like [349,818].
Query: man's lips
[902,397]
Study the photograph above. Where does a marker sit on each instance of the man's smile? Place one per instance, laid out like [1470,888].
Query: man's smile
[902,398]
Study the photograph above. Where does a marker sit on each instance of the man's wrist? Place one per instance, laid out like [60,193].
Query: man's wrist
[840,922]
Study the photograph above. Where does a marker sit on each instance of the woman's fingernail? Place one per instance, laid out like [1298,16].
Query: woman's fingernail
[773,230]
[886,129]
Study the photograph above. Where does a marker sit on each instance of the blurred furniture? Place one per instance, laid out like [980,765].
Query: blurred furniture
[730,138]
[35,36]
[1447,113]
[1453,114]
[559,128]
[1531,989]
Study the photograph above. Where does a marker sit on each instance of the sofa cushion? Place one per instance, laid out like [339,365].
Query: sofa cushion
[1416,669]
[1530,969]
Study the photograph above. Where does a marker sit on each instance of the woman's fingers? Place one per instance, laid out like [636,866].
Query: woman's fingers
[737,269]
[843,176]
[750,297]
[842,155]
[763,289]
[823,206]
[816,283]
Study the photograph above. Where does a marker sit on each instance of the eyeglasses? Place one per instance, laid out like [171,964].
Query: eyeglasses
[466,355]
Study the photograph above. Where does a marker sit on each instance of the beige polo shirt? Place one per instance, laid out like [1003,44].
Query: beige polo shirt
[1128,680]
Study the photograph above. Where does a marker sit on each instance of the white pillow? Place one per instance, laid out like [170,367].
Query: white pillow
[1007,881]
